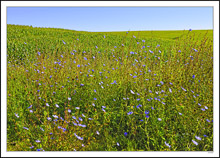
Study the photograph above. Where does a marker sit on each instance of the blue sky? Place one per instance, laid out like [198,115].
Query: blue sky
[113,18]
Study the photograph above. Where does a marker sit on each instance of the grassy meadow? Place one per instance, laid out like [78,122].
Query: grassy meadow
[109,91]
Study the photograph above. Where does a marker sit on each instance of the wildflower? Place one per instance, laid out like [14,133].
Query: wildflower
[180,113]
[64,42]
[194,142]
[97,132]
[147,112]
[85,58]
[55,116]
[199,104]
[47,104]
[129,113]
[37,141]
[183,89]
[198,138]
[83,115]
[103,109]
[93,104]
[205,135]
[95,99]
[31,111]
[78,65]
[77,107]
[118,144]
[69,98]
[94,90]
[202,109]
[190,29]
[159,119]
[69,110]
[42,129]
[125,133]
[132,92]
[31,147]
[167,144]
[147,116]
[49,118]
[206,107]
[57,105]
[75,123]
[26,128]
[193,76]
[38,149]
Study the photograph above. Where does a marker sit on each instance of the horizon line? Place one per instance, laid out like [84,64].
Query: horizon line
[106,31]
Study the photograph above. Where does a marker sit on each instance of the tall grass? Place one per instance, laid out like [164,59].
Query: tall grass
[82,91]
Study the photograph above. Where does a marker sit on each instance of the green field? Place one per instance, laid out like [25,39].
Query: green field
[109,91]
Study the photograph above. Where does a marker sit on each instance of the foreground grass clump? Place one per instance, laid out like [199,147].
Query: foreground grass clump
[70,90]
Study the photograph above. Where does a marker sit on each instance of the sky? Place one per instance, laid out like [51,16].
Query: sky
[100,19]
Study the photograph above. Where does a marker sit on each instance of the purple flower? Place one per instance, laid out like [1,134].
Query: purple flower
[129,113]
[26,128]
[37,141]
[69,98]
[47,104]
[147,116]
[193,76]
[194,142]
[159,119]
[147,112]
[170,90]
[69,110]
[125,133]
[167,144]
[132,92]
[95,99]
[198,138]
